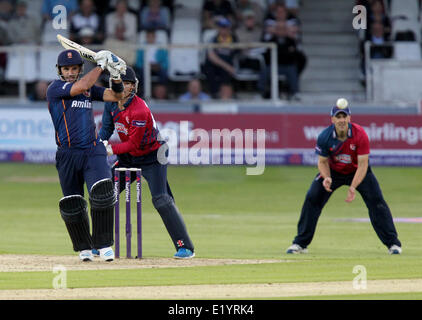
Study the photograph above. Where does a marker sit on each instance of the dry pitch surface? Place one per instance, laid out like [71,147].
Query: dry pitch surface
[21,263]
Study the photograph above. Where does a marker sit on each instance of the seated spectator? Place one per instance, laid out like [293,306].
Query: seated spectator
[247,32]
[377,14]
[6,10]
[249,29]
[219,61]
[292,7]
[380,48]
[226,92]
[155,16]
[86,17]
[286,50]
[249,5]
[121,30]
[86,38]
[159,92]
[213,9]
[156,57]
[23,28]
[48,6]
[194,92]
[121,24]
[280,13]
[40,91]
[277,13]
[4,41]
[133,6]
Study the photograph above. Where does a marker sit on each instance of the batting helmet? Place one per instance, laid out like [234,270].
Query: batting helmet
[130,76]
[68,58]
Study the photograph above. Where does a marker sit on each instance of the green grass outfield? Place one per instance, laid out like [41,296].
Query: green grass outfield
[229,215]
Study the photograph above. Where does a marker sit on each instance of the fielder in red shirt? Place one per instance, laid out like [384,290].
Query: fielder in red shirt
[343,150]
[135,124]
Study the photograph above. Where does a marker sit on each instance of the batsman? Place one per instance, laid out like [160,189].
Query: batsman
[81,158]
[139,148]
[343,159]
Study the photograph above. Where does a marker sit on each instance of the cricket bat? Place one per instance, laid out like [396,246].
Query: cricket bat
[83,51]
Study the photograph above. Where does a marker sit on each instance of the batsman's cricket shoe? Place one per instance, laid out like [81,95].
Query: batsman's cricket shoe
[394,249]
[107,254]
[86,255]
[184,253]
[295,248]
[95,253]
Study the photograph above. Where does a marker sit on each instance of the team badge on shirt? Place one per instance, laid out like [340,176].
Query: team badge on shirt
[352,147]
[138,123]
[121,128]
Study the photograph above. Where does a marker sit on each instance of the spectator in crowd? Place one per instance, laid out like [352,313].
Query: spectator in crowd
[379,37]
[226,92]
[214,9]
[219,66]
[156,57]
[277,13]
[380,48]
[4,41]
[23,28]
[286,58]
[86,38]
[243,6]
[159,92]
[6,10]
[48,8]
[87,17]
[292,6]
[121,24]
[40,91]
[155,16]
[280,13]
[194,92]
[121,31]
[247,32]
[377,14]
[166,3]
[249,29]
[133,6]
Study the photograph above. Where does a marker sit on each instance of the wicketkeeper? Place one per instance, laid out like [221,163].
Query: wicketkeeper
[139,148]
[343,150]
[81,158]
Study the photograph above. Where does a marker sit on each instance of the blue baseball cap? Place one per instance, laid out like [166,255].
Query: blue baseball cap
[68,58]
[223,22]
[341,108]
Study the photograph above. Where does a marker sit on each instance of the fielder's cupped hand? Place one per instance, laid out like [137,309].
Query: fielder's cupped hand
[327,184]
[351,194]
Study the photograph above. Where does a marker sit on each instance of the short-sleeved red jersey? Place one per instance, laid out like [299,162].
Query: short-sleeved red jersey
[343,155]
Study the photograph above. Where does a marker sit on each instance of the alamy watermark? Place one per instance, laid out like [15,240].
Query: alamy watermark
[60,18]
[60,281]
[185,145]
[360,20]
[360,281]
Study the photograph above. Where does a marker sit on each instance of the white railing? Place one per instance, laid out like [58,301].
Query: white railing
[21,50]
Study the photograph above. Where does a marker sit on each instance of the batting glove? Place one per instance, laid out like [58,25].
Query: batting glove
[114,73]
[102,57]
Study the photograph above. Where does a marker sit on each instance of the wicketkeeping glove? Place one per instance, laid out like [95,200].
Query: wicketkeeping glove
[108,147]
